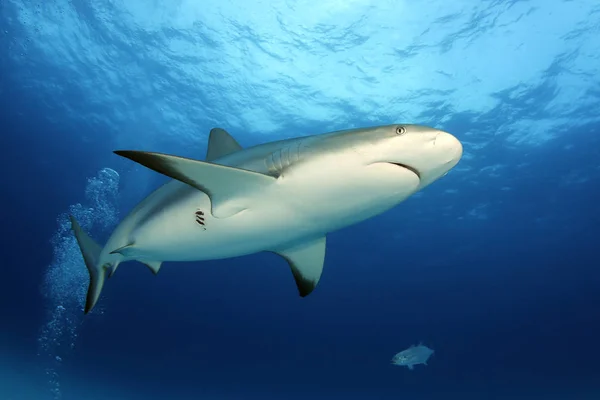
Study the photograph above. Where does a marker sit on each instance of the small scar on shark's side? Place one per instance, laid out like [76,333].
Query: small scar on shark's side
[200,219]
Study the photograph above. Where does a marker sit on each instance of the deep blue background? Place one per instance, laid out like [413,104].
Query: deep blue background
[507,304]
[508,297]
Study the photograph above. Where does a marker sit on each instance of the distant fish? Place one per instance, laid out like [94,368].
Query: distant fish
[412,356]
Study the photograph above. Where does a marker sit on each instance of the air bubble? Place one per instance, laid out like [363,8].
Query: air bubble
[66,279]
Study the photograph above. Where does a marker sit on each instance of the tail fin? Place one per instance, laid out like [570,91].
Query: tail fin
[91,255]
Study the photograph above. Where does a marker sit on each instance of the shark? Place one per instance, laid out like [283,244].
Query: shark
[283,197]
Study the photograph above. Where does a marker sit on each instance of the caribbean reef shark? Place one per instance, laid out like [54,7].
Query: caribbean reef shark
[283,197]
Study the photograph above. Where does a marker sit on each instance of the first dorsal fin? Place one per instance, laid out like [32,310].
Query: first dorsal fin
[306,262]
[220,143]
[227,187]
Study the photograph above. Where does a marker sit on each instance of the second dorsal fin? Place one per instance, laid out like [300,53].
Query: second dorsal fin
[220,143]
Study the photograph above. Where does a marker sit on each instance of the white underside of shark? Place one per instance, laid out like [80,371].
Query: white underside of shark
[282,197]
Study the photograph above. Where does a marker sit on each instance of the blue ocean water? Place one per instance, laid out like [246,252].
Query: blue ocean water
[495,266]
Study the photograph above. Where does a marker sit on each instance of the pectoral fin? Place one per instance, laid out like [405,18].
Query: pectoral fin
[220,143]
[306,262]
[227,187]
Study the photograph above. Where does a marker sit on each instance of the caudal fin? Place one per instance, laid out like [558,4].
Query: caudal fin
[91,255]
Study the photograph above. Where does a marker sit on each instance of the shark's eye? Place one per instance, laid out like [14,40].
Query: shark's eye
[400,130]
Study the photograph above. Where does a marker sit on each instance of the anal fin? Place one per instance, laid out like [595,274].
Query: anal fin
[131,251]
[128,250]
[113,269]
[306,262]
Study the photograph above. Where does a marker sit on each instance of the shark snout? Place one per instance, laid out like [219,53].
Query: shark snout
[449,146]
[441,153]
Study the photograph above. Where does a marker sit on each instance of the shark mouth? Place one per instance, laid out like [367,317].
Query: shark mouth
[408,167]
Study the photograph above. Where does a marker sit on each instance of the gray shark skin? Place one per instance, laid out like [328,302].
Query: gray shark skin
[412,356]
[283,197]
